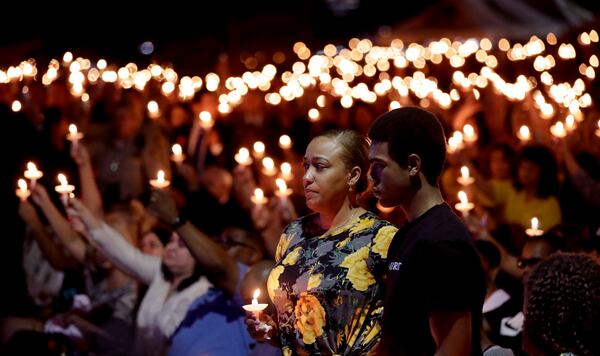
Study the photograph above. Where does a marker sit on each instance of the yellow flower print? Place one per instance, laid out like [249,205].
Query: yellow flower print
[310,317]
[358,273]
[292,257]
[286,351]
[342,243]
[362,224]
[383,239]
[314,281]
[370,332]
[282,246]
[273,281]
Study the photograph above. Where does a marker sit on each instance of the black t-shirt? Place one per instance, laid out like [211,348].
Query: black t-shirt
[432,266]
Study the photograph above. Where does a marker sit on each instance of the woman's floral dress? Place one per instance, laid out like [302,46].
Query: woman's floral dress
[327,287]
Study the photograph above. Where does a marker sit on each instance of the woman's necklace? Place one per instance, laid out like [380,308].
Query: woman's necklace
[354,213]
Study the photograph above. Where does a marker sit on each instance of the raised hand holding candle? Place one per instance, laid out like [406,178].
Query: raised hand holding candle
[177,155]
[160,182]
[74,136]
[465,179]
[22,192]
[64,189]
[258,197]
[33,174]
[464,206]
[243,157]
[534,230]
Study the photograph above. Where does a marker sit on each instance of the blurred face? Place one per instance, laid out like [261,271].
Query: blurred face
[239,245]
[325,177]
[151,245]
[529,174]
[499,166]
[127,122]
[390,180]
[177,257]
[533,252]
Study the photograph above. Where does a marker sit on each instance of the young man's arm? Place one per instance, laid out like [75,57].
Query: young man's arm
[451,332]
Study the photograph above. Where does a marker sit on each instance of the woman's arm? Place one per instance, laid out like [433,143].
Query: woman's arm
[139,265]
[220,268]
[90,194]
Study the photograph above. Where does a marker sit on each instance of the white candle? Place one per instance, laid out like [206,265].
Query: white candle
[74,136]
[285,142]
[465,179]
[258,149]
[206,120]
[286,171]
[33,174]
[464,206]
[534,230]
[469,133]
[160,182]
[283,191]
[255,307]
[243,157]
[177,155]
[64,189]
[268,167]
[153,109]
[22,192]
[558,130]
[524,134]
[258,197]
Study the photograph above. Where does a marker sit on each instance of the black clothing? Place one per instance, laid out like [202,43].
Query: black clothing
[433,266]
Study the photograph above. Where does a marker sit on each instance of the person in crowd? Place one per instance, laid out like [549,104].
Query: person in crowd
[435,285]
[326,284]
[562,307]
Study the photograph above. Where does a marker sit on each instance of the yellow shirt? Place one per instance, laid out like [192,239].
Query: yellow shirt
[519,209]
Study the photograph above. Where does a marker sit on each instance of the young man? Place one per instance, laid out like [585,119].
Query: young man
[435,285]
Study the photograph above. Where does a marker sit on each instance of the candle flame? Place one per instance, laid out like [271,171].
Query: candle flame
[464,172]
[259,194]
[31,167]
[268,163]
[285,141]
[62,179]
[524,133]
[259,147]
[160,176]
[462,196]
[535,223]
[286,169]
[22,184]
[72,129]
[281,184]
[256,294]
[177,150]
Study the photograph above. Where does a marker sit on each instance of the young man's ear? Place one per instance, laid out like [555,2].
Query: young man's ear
[413,164]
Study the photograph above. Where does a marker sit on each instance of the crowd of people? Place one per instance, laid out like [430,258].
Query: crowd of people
[364,253]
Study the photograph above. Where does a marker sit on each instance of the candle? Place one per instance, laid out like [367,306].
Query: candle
[286,171]
[469,133]
[283,191]
[285,142]
[22,192]
[160,182]
[74,136]
[465,179]
[153,109]
[32,173]
[534,230]
[268,167]
[206,120]
[64,188]
[558,130]
[177,155]
[258,149]
[259,197]
[464,206]
[243,157]
[255,307]
[524,134]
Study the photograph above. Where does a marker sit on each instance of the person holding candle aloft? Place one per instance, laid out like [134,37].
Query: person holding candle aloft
[326,285]
[435,284]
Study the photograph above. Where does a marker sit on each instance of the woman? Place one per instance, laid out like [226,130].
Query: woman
[325,283]
[175,280]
